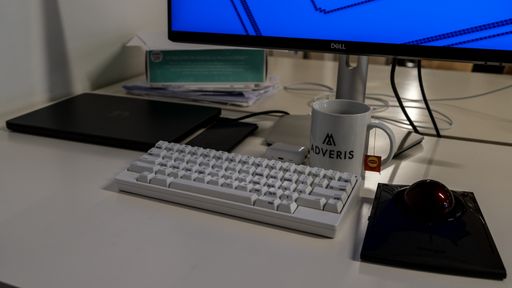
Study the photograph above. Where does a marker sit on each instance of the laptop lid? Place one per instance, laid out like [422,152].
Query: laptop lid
[115,121]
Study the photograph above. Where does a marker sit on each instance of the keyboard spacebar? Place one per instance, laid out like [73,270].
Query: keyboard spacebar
[213,191]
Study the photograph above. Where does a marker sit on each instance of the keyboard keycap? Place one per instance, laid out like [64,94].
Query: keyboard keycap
[327,193]
[214,191]
[287,206]
[311,201]
[140,167]
[290,196]
[267,203]
[340,185]
[160,180]
[334,206]
[145,177]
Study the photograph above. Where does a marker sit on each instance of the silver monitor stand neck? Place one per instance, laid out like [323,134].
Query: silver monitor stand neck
[352,79]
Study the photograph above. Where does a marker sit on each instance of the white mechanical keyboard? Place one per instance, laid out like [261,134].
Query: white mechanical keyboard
[298,197]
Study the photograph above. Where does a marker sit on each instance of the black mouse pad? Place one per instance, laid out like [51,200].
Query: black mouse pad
[461,246]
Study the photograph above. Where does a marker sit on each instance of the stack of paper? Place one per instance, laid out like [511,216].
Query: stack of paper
[240,95]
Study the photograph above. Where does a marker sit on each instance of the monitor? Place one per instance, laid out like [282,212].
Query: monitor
[477,31]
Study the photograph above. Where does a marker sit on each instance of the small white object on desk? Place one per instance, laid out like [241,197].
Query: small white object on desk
[286,152]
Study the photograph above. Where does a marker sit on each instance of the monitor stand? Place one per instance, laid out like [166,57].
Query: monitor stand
[352,86]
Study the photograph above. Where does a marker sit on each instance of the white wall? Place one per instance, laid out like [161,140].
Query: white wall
[55,48]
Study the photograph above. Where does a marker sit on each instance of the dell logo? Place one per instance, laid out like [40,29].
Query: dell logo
[338,46]
[329,140]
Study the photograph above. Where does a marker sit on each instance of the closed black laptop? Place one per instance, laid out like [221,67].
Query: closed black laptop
[115,121]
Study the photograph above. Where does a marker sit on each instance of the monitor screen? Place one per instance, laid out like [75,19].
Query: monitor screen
[478,31]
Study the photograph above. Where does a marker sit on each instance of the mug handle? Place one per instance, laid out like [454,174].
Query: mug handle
[391,137]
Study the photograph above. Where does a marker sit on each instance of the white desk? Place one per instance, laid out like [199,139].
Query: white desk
[63,224]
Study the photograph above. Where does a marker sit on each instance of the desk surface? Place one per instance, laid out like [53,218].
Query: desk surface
[64,224]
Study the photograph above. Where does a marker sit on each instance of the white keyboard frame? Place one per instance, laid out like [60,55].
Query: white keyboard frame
[303,219]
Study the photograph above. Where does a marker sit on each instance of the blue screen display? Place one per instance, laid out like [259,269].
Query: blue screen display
[449,23]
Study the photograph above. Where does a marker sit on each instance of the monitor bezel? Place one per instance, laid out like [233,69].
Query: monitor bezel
[486,56]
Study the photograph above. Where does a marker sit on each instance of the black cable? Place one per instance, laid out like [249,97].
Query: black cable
[261,113]
[398,98]
[425,100]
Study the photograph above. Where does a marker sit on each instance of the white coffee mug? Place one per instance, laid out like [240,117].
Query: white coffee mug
[339,135]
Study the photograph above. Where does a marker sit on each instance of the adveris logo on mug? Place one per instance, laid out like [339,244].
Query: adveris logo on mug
[331,153]
[329,140]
